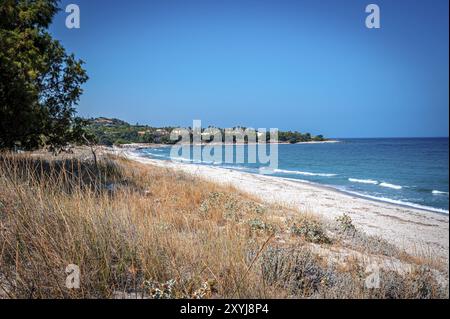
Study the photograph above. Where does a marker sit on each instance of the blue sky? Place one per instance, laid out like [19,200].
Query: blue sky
[298,65]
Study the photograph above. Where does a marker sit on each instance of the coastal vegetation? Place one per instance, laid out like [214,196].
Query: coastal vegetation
[40,83]
[116,132]
[141,231]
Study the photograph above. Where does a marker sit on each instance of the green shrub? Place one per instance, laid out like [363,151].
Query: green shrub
[310,230]
[257,224]
[345,224]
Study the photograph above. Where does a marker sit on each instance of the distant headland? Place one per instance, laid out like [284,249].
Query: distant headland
[111,131]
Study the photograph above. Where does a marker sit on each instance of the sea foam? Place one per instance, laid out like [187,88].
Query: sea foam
[436,192]
[393,186]
[156,155]
[283,171]
[363,181]
[400,202]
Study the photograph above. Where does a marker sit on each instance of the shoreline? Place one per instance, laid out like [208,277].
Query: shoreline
[370,198]
[147,145]
[399,203]
[416,230]
[336,189]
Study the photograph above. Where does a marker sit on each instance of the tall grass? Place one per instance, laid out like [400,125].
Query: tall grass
[139,231]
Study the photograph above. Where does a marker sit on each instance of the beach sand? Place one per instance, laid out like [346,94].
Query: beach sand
[418,232]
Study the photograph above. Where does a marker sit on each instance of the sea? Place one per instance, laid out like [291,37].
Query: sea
[405,171]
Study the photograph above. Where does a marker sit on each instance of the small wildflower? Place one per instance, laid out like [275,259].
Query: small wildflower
[205,291]
[161,290]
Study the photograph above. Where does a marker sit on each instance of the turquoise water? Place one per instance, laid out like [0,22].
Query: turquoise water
[411,172]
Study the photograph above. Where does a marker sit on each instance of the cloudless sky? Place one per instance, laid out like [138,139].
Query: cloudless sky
[304,65]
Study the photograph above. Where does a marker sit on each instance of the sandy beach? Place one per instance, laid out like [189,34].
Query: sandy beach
[417,231]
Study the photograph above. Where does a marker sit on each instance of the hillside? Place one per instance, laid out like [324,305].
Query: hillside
[116,132]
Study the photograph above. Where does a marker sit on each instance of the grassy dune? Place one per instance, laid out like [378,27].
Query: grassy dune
[138,231]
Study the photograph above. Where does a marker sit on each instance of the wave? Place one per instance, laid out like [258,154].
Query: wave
[399,202]
[155,155]
[363,181]
[283,171]
[180,159]
[208,162]
[436,192]
[368,181]
[238,168]
[374,182]
[393,186]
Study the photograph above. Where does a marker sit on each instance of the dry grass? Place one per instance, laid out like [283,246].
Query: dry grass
[141,231]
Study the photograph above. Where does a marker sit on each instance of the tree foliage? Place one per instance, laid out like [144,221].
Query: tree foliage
[39,82]
[113,131]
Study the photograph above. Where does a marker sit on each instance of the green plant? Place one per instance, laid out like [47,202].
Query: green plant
[310,230]
[345,224]
[40,83]
[257,224]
